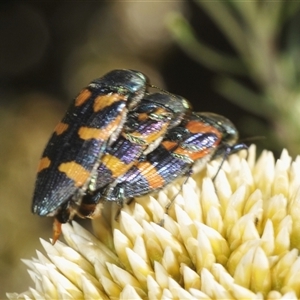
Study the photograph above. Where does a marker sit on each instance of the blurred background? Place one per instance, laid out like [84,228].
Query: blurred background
[239,59]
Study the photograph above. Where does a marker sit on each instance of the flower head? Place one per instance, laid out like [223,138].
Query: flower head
[237,237]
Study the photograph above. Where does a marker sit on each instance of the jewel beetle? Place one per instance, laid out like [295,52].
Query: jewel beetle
[186,148]
[143,131]
[92,123]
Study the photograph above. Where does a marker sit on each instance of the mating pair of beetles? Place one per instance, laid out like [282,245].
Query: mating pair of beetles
[118,141]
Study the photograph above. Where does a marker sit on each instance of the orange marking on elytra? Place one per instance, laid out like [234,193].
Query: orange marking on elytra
[106,100]
[44,163]
[61,128]
[87,133]
[75,172]
[83,96]
[194,155]
[154,179]
[115,165]
[143,117]
[196,127]
[169,145]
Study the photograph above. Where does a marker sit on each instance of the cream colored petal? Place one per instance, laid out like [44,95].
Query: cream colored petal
[73,272]
[221,276]
[254,203]
[195,256]
[218,245]
[263,172]
[177,291]
[292,279]
[282,239]
[90,291]
[171,264]
[48,288]
[93,252]
[268,238]
[281,180]
[64,286]
[236,203]
[294,211]
[166,239]
[241,293]
[154,249]
[294,176]
[68,294]
[243,230]
[129,293]
[145,202]
[122,242]
[35,294]
[275,209]
[101,270]
[154,290]
[205,256]
[85,243]
[289,296]
[139,267]
[191,203]
[140,249]
[42,258]
[191,279]
[70,254]
[242,272]
[197,294]
[243,174]
[212,288]
[111,288]
[214,219]
[172,226]
[164,199]
[187,227]
[139,213]
[166,295]
[36,278]
[222,186]
[208,197]
[261,273]
[161,275]
[282,267]
[126,225]
[157,210]
[122,277]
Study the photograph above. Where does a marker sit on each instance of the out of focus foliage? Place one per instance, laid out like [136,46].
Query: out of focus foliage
[245,52]
[266,42]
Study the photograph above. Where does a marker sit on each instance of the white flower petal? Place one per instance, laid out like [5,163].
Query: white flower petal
[126,225]
[129,293]
[122,277]
[212,288]
[161,275]
[177,291]
[190,278]
[236,237]
[139,267]
[111,288]
[154,290]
